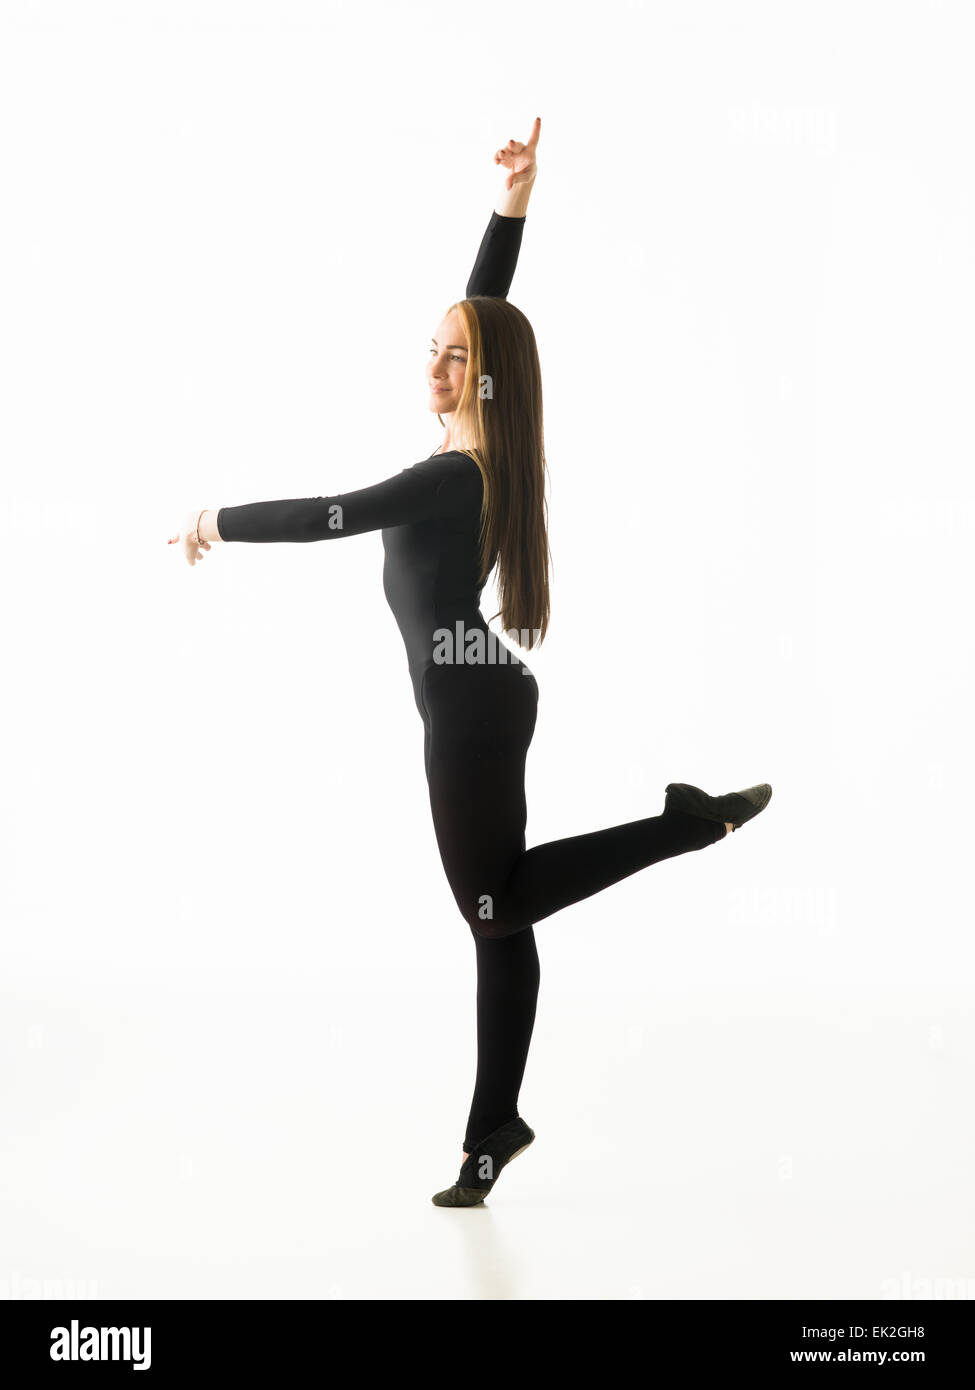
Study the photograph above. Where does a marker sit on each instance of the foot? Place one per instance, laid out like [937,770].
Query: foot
[495,1152]
[681,796]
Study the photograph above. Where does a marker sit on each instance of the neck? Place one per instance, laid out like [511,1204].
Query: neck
[452,439]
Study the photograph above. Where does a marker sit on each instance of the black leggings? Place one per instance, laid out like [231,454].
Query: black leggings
[479,721]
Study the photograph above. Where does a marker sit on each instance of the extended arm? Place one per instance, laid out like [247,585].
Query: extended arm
[432,488]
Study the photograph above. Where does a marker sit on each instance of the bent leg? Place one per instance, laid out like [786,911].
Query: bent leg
[481,728]
[549,877]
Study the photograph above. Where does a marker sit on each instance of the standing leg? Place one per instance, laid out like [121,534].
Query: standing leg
[479,727]
[507,991]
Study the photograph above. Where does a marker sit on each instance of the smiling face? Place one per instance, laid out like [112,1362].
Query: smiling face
[448,364]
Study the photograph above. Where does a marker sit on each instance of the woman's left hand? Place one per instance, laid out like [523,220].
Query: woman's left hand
[186,539]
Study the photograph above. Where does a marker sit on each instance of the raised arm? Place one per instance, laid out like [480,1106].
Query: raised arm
[497,257]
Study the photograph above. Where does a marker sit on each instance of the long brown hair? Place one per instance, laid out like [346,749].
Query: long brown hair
[499,420]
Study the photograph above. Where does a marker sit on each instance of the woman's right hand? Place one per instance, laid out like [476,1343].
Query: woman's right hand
[186,539]
[519,158]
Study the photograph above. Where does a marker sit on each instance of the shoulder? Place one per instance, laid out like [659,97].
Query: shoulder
[454,470]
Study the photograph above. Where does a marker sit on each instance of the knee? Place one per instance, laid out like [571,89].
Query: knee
[494,927]
[490,918]
[488,931]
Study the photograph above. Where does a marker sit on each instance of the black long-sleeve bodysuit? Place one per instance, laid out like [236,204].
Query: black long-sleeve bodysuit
[478,723]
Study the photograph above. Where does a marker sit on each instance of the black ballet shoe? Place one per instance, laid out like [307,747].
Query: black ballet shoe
[736,807]
[482,1166]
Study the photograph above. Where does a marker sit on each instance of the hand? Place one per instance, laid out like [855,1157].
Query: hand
[187,539]
[520,159]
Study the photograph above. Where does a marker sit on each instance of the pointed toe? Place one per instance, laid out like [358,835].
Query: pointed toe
[736,807]
[757,796]
[458,1197]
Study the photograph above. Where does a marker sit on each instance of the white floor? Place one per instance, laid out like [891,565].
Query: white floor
[259,1136]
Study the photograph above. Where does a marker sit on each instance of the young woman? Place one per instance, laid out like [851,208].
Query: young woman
[475,505]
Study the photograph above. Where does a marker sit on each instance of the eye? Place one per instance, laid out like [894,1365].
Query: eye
[455,358]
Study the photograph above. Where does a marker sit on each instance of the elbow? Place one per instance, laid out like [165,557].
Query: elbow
[322,521]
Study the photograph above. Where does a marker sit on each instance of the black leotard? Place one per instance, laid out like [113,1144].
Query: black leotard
[478,723]
[429,516]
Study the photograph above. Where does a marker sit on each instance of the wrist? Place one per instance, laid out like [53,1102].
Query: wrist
[513,202]
[207,525]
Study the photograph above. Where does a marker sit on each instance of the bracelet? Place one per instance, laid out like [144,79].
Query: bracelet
[198,520]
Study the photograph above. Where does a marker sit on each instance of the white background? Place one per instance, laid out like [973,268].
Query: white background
[237,1003]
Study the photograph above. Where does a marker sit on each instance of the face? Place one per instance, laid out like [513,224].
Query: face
[448,364]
